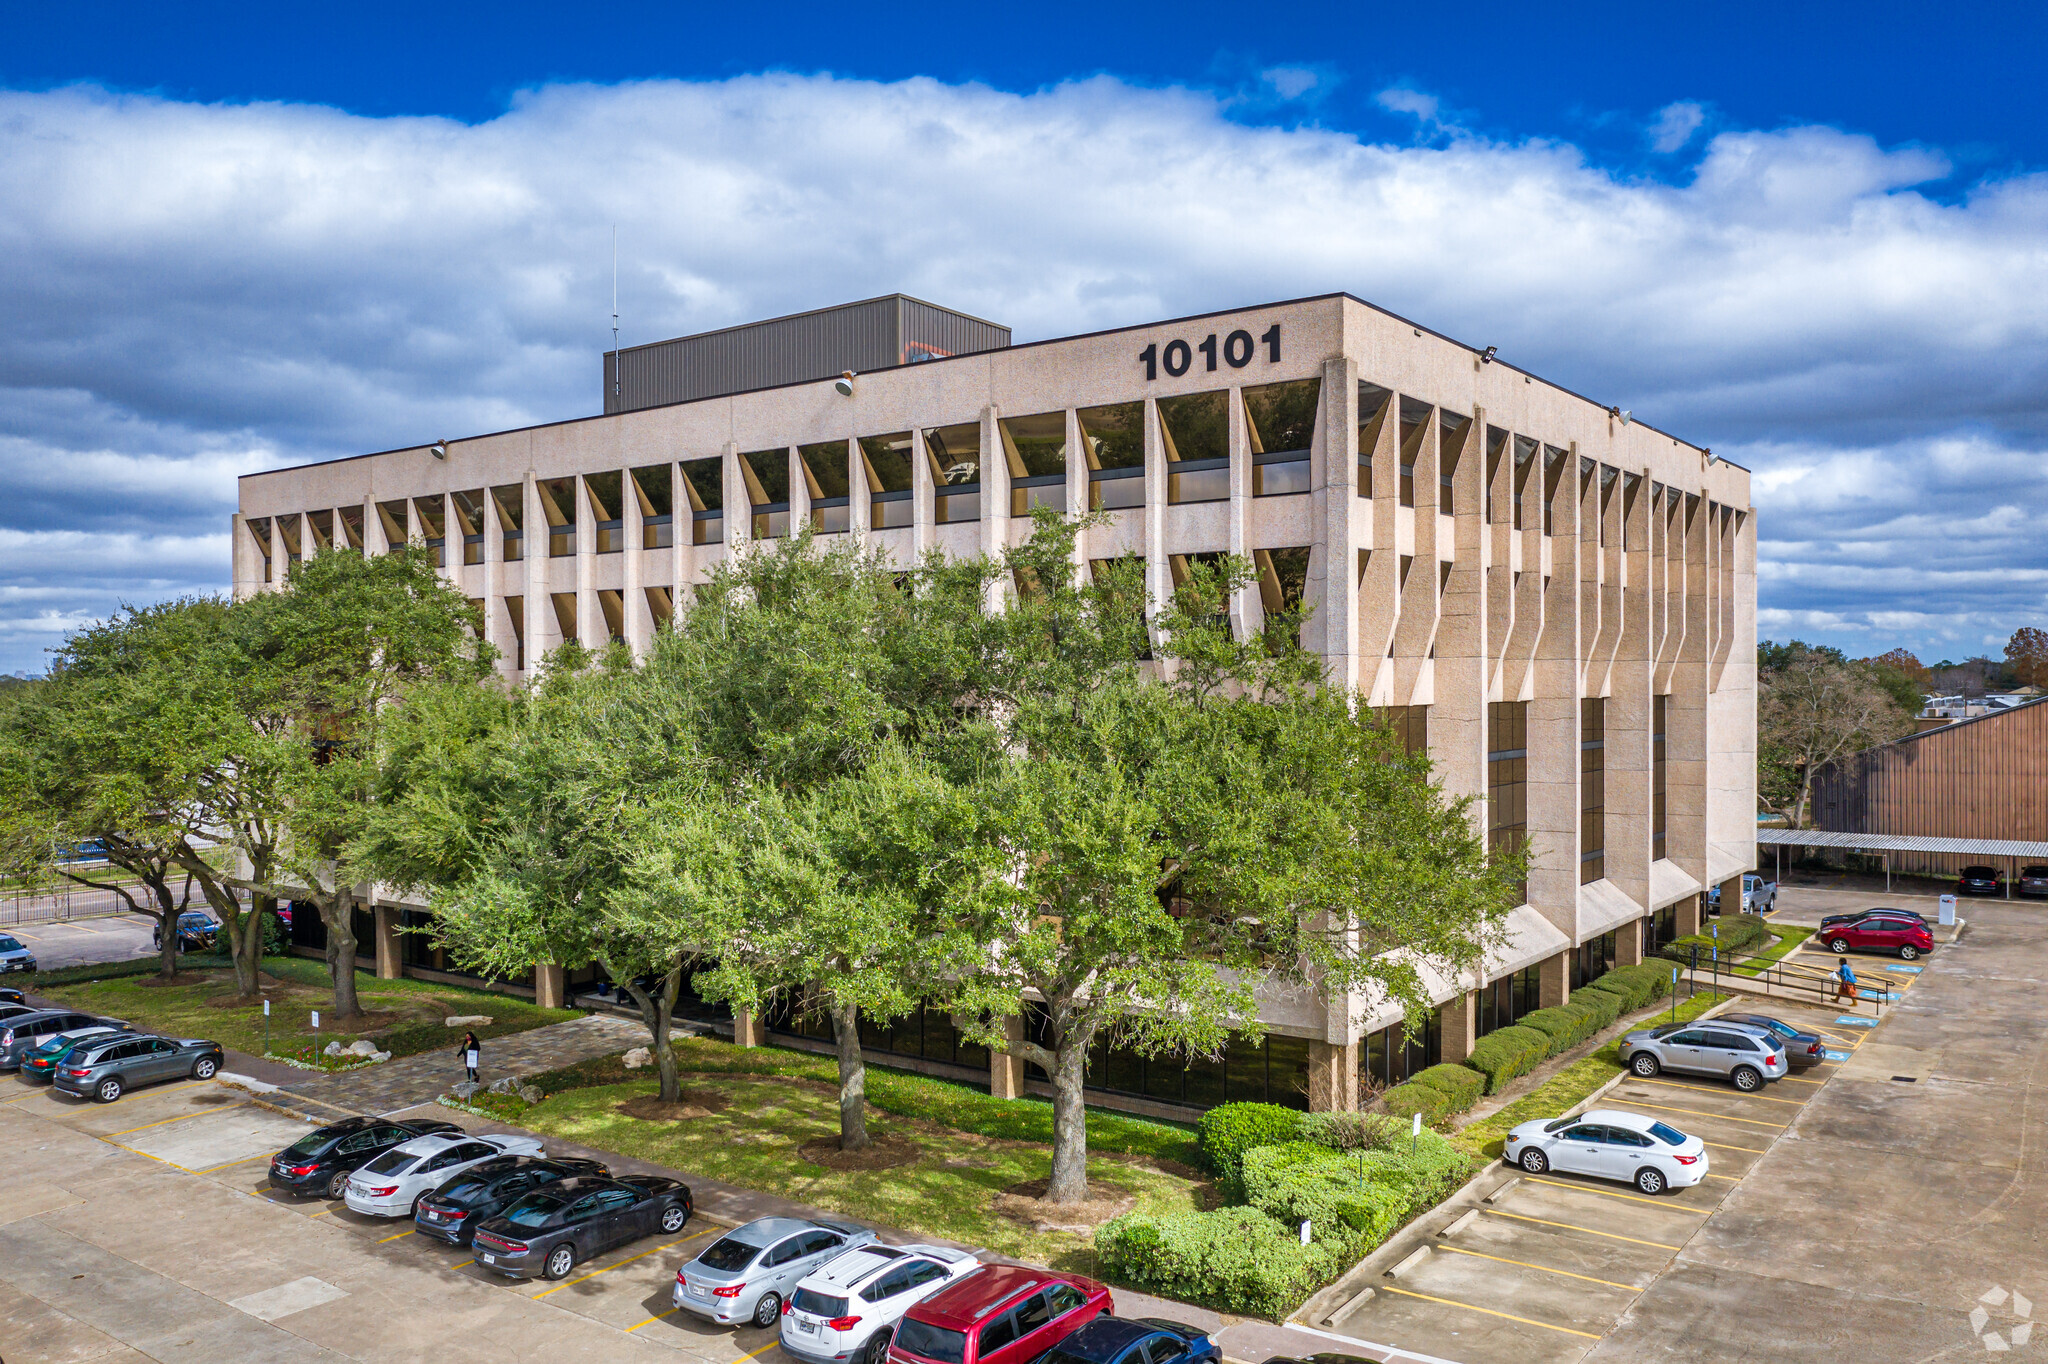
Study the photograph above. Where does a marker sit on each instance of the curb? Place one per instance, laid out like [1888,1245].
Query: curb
[248,1082]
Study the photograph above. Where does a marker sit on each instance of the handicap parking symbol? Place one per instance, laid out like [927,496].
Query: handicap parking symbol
[1852,1021]
[1836,1055]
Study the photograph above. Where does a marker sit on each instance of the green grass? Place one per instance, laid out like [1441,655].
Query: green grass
[954,1188]
[404,1015]
[1484,1138]
[1790,938]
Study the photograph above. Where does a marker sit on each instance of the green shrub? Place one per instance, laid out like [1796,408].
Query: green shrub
[1350,1131]
[1228,1131]
[1503,1054]
[1638,985]
[1232,1259]
[1565,1025]
[1414,1097]
[1605,1006]
[1461,1086]
[1737,933]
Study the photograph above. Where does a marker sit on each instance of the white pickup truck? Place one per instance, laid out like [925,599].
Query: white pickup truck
[1758,896]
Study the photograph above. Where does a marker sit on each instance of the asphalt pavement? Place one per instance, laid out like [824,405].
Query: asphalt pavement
[81,942]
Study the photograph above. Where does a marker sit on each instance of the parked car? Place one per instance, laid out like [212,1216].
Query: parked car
[10,995]
[321,1161]
[1979,881]
[999,1314]
[848,1308]
[1830,920]
[1758,896]
[453,1212]
[1746,1057]
[1803,1050]
[552,1230]
[196,930]
[108,1068]
[748,1273]
[41,1061]
[1909,938]
[2032,881]
[1608,1143]
[16,1010]
[15,957]
[393,1184]
[23,1032]
[1136,1340]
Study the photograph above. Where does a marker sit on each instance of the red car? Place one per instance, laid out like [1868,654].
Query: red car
[999,1314]
[1879,932]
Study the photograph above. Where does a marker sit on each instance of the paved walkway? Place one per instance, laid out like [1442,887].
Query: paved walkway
[419,1079]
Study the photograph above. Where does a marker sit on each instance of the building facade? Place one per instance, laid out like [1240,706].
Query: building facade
[1559,604]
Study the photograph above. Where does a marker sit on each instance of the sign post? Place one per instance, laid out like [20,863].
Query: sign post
[266,1027]
[1415,1133]
[316,1036]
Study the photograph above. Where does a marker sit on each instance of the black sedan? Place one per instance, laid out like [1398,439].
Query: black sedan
[107,1068]
[10,995]
[453,1212]
[1802,1049]
[552,1230]
[321,1161]
[1980,880]
[2032,882]
[1135,1340]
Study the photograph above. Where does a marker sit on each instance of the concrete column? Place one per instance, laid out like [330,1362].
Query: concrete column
[860,494]
[1332,1077]
[1334,625]
[746,1029]
[739,507]
[1077,488]
[1553,980]
[1458,1019]
[1246,610]
[1688,916]
[1731,896]
[1628,944]
[995,499]
[590,628]
[549,990]
[542,634]
[1158,570]
[1553,790]
[638,619]
[390,961]
[1006,1068]
[924,505]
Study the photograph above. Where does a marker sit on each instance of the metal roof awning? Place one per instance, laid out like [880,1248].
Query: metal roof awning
[1829,838]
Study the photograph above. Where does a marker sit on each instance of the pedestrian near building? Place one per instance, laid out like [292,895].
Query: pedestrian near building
[1845,983]
[472,1054]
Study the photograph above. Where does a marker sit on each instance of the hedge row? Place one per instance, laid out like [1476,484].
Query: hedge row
[1228,1132]
[1504,1053]
[1636,985]
[1738,933]
[1436,1092]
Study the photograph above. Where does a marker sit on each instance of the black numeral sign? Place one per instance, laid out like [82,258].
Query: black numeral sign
[1238,349]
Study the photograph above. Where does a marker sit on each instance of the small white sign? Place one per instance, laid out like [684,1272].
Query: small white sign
[1304,1231]
[1416,1130]
[316,1018]
[1947,913]
[266,1008]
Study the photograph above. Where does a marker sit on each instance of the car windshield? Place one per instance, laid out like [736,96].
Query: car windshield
[729,1253]
[532,1210]
[464,1188]
[312,1144]
[930,1342]
[390,1163]
[10,944]
[1560,1124]
[1670,1136]
[818,1304]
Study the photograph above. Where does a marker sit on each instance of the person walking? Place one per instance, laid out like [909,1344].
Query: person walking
[472,1053]
[1845,982]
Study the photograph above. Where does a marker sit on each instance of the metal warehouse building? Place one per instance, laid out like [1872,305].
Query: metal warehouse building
[1557,603]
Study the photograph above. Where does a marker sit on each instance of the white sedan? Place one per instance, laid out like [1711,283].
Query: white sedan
[1608,1143]
[846,1311]
[393,1183]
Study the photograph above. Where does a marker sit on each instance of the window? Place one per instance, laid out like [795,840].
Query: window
[1414,427]
[1113,440]
[998,1333]
[1271,1070]
[785,1252]
[1411,726]
[955,456]
[1592,790]
[1372,411]
[320,527]
[468,510]
[766,474]
[935,1343]
[1390,1056]
[1194,434]
[923,1272]
[1507,776]
[885,462]
[1033,1313]
[510,500]
[558,509]
[1280,426]
[259,532]
[824,1304]
[704,482]
[607,511]
[1658,809]
[1035,449]
[1525,465]
[1586,1132]
[654,489]
[1594,958]
[288,531]
[352,526]
[1659,929]
[824,467]
[396,521]
[1283,582]
[1063,1298]
[889,1285]
[1553,474]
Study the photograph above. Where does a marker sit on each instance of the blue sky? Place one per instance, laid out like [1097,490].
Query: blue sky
[1813,237]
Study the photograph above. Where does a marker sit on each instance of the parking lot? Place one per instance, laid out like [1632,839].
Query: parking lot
[1547,1265]
[80,942]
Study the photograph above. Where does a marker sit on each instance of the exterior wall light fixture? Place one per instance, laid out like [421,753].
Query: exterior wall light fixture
[844,383]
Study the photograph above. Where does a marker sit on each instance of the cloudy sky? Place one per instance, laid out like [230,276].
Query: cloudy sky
[229,246]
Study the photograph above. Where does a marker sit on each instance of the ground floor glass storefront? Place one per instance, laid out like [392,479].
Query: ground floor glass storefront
[1388,1057]
[1272,1070]
[1504,1000]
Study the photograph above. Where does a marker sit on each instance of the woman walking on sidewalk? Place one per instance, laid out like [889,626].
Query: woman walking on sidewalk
[472,1054]
[1845,983]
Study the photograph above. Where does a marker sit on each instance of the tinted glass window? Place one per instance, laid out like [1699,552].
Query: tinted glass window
[998,1333]
[784,1252]
[10,945]
[534,1210]
[1687,1039]
[1065,1298]
[1033,1313]
[1585,1132]
[931,1342]
[360,1142]
[306,1147]
[889,1285]
[1159,1349]
[462,1188]
[923,1272]
[1670,1136]
[617,1200]
[729,1254]
[1728,1041]
[820,1305]
[1621,1136]
[391,1163]
[815,1241]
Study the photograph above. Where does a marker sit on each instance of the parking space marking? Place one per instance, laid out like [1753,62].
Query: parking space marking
[1704,1089]
[571,1283]
[26,1097]
[1502,1259]
[230,1164]
[651,1320]
[204,1112]
[1573,1226]
[1697,1113]
[400,1237]
[1606,1193]
[762,1351]
[1452,1302]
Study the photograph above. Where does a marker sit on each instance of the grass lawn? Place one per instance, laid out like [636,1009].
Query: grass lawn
[400,1016]
[757,1116]
[1485,1137]
[1790,938]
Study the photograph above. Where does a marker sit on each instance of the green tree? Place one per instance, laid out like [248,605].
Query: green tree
[2026,656]
[1813,707]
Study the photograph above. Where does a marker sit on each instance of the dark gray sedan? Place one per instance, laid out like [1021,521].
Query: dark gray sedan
[23,1033]
[110,1069]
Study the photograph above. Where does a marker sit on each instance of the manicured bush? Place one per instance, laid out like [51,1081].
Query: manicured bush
[1461,1086]
[1351,1201]
[1565,1025]
[1503,1054]
[1232,1259]
[1350,1131]
[1738,933]
[1228,1131]
[1406,1100]
[1605,1005]
[1637,985]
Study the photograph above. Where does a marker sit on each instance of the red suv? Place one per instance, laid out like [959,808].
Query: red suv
[1000,1314]
[1880,932]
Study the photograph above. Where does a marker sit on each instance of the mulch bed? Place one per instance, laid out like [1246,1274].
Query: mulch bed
[883,1153]
[696,1103]
[1025,1203]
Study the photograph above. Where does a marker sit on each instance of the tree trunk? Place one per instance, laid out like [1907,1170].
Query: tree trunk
[245,937]
[167,917]
[1069,1182]
[656,1011]
[853,1078]
[337,912]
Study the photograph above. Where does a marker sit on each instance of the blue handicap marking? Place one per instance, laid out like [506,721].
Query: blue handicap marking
[1836,1055]
[1851,1021]
[1906,970]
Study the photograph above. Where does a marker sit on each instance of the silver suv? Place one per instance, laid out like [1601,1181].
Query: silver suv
[1747,1056]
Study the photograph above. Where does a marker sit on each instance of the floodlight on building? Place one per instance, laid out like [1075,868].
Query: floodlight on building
[1711,458]
[439,449]
[1622,415]
[844,383]
[1486,356]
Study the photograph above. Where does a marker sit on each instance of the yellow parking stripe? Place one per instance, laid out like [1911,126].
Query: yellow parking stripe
[570,1283]
[762,1351]
[228,1164]
[1573,1226]
[1607,1193]
[147,1156]
[1698,1113]
[400,1237]
[1502,1259]
[25,1098]
[226,1108]
[1452,1302]
[1724,1146]
[651,1320]
[1703,1089]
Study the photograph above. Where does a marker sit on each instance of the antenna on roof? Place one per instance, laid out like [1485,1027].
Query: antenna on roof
[615,310]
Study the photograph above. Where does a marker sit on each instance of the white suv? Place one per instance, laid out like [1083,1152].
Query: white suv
[846,1312]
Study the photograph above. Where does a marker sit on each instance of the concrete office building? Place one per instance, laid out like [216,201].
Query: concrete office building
[1559,604]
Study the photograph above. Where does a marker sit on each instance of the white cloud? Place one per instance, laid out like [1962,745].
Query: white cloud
[1291,82]
[193,290]
[1674,126]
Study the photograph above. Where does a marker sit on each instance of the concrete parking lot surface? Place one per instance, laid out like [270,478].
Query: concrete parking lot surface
[80,942]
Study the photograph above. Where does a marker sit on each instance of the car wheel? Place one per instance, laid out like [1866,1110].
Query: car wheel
[560,1261]
[1644,1064]
[1908,952]
[673,1218]
[767,1310]
[1747,1079]
[1839,946]
[1650,1180]
[878,1347]
[205,1069]
[109,1090]
[1535,1162]
[337,1186]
